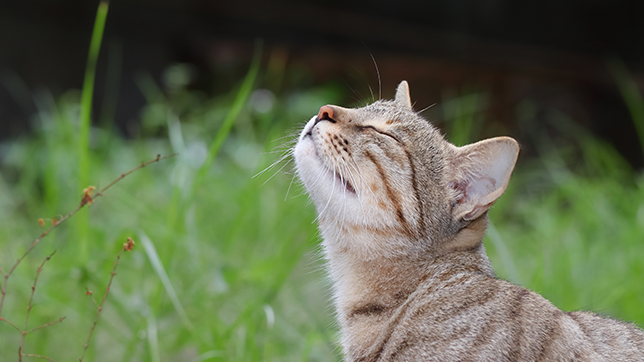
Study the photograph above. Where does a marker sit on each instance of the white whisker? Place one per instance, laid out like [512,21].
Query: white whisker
[276,172]
[276,162]
[328,202]
[362,178]
[289,187]
[377,72]
[426,108]
[371,91]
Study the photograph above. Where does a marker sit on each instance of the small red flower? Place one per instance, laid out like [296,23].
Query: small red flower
[129,245]
[87,195]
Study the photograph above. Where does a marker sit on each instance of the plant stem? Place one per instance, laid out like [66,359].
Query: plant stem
[31,299]
[100,308]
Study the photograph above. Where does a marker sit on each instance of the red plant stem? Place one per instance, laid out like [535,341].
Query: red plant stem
[24,333]
[33,288]
[31,299]
[100,308]
[11,323]
[3,287]
[46,325]
[39,356]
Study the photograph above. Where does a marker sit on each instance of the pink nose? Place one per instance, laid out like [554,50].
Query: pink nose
[325,112]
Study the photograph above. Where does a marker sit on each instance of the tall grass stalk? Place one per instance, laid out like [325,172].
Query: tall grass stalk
[176,207]
[236,107]
[85,123]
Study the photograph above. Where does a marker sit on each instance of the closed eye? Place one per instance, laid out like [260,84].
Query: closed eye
[362,128]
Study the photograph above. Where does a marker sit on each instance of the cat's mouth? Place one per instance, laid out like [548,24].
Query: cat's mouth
[347,185]
[343,180]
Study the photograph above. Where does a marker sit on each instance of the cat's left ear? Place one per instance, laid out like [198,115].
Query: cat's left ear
[480,173]
[402,94]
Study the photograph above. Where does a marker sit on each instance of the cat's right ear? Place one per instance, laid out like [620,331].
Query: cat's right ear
[402,95]
[480,173]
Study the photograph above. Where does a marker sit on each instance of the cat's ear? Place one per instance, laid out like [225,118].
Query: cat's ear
[480,173]
[402,95]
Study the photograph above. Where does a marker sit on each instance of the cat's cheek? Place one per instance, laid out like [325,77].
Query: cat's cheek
[307,161]
[305,151]
[311,170]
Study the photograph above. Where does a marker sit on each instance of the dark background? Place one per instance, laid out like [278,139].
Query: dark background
[552,52]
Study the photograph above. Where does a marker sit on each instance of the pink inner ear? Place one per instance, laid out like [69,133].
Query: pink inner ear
[481,174]
[461,188]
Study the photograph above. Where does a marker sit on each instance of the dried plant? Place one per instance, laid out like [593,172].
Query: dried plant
[87,199]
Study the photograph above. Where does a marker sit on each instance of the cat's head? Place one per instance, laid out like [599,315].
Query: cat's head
[385,181]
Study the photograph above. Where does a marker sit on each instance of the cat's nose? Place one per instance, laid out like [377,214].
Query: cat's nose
[326,113]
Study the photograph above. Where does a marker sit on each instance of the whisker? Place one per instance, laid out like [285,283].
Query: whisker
[276,172]
[285,146]
[373,99]
[377,72]
[275,163]
[347,170]
[328,202]
[426,108]
[293,136]
[289,187]
[362,178]
[358,96]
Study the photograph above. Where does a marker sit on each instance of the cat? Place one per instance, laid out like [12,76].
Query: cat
[402,213]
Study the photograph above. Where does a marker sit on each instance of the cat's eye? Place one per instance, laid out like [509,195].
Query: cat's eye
[363,128]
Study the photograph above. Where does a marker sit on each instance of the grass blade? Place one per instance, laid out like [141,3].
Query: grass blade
[208,355]
[240,100]
[153,256]
[153,339]
[83,134]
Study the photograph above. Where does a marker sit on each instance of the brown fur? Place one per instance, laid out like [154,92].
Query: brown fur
[403,214]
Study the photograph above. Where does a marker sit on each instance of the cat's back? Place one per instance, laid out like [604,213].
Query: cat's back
[479,318]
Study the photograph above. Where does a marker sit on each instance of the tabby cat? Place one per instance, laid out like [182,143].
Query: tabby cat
[403,214]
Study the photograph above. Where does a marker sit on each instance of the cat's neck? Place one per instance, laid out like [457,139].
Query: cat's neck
[362,282]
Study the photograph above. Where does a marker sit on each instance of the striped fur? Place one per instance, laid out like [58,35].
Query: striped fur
[403,214]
